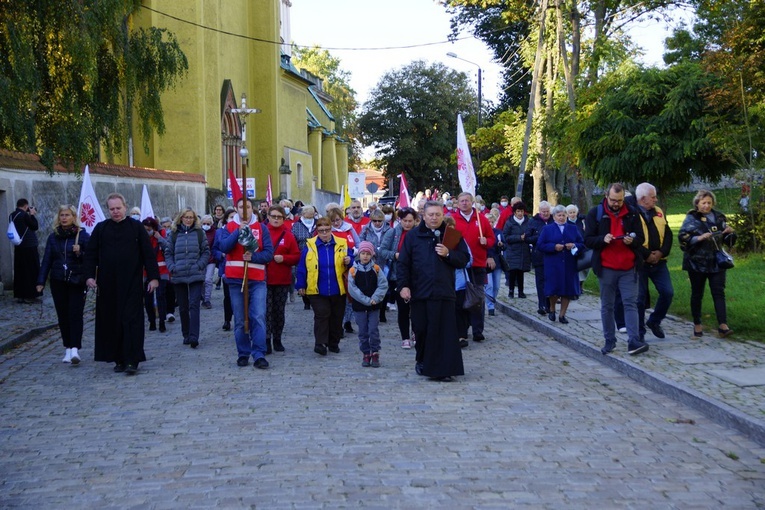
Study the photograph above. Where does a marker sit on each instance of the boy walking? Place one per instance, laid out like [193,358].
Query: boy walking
[367,286]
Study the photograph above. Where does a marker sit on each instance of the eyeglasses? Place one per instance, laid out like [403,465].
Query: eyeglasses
[377,221]
[276,216]
[323,230]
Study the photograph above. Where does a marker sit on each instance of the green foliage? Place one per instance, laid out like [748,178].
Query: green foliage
[337,84]
[70,72]
[652,125]
[411,121]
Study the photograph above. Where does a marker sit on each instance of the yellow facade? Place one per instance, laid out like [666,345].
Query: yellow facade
[203,137]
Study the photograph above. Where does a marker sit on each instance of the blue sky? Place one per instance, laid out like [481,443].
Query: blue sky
[339,25]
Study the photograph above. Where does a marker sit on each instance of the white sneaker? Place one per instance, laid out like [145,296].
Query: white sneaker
[622,330]
[392,307]
[67,356]
[170,317]
[75,356]
[406,344]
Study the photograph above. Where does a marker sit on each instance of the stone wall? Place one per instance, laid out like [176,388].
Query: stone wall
[22,176]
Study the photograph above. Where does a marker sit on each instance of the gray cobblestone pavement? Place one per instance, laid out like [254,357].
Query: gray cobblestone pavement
[532,424]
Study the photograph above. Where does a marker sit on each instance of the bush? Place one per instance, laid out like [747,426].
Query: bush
[750,227]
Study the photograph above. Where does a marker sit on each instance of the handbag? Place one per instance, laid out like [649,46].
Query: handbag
[584,260]
[474,294]
[723,258]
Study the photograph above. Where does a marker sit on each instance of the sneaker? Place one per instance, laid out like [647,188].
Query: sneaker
[392,307]
[491,313]
[242,361]
[67,356]
[655,329]
[75,356]
[406,344]
[608,348]
[463,343]
[637,348]
[375,360]
[623,330]
[170,317]
[366,361]
[261,363]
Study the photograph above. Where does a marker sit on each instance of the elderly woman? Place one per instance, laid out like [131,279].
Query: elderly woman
[560,241]
[187,254]
[63,261]
[303,229]
[704,231]
[533,229]
[278,275]
[320,277]
[517,253]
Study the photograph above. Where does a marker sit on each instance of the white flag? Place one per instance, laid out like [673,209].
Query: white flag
[465,170]
[89,208]
[146,210]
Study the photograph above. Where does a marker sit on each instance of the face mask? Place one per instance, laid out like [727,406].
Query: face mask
[483,207]
[388,217]
[135,216]
[206,227]
[503,203]
[150,232]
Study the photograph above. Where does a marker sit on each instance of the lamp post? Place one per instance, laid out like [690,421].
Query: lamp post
[454,55]
[243,113]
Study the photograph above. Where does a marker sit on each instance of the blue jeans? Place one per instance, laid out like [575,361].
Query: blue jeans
[253,344]
[368,322]
[626,283]
[492,286]
[659,275]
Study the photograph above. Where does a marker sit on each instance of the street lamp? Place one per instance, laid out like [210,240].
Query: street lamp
[454,55]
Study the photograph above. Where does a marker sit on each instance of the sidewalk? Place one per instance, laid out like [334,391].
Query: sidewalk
[723,379]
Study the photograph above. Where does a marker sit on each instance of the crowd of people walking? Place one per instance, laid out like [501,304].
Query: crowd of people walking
[439,264]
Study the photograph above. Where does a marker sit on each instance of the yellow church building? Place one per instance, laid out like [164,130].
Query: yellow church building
[242,47]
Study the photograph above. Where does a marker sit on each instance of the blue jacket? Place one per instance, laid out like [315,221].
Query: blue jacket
[327,278]
[188,256]
[58,252]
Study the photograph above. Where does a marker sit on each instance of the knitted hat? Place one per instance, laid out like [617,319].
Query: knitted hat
[367,247]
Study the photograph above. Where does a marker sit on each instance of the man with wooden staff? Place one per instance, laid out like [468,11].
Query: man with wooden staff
[248,249]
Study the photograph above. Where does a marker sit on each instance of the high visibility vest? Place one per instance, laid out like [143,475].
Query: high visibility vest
[312,265]
[660,222]
[234,260]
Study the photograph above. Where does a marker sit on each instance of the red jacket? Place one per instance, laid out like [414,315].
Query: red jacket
[281,273]
[357,226]
[471,233]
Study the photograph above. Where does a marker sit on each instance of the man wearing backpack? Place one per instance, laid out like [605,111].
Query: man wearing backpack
[26,258]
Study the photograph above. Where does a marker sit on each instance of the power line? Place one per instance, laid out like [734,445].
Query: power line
[257,39]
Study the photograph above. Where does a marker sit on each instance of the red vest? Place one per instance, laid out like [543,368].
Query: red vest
[234,260]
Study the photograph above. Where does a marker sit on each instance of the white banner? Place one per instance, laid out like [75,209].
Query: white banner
[89,209]
[357,184]
[465,170]
[147,211]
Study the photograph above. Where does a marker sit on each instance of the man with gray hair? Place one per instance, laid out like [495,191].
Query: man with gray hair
[655,250]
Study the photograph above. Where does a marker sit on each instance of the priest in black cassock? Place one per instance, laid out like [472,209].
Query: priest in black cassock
[118,252]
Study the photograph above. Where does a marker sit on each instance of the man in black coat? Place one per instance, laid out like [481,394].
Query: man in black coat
[614,231]
[26,258]
[425,275]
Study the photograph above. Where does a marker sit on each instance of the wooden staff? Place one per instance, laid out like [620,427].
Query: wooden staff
[245,221]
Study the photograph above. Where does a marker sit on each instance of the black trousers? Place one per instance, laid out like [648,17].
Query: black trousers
[69,301]
[228,312]
[26,266]
[404,319]
[716,287]
[276,300]
[515,278]
[327,319]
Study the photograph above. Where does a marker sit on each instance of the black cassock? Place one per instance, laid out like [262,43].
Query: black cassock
[120,251]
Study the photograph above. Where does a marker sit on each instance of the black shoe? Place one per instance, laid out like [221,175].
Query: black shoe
[655,329]
[162,327]
[278,347]
[478,337]
[511,295]
[320,349]
[608,348]
[637,348]
[186,341]
[306,307]
[522,295]
[242,361]
[448,378]
[131,369]
[383,319]
[551,316]
[542,311]
[227,326]
[491,313]
[347,327]
[260,363]
[463,343]
[723,333]
[194,344]
[562,319]
[152,327]
[119,368]
[268,346]
[418,367]
[334,348]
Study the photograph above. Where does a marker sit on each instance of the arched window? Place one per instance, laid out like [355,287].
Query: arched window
[300,181]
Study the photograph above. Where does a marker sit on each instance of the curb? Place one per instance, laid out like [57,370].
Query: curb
[25,337]
[714,409]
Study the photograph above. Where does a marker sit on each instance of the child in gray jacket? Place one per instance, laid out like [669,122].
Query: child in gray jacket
[367,286]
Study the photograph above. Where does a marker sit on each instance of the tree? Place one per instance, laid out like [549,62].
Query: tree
[411,121]
[654,125]
[337,84]
[73,72]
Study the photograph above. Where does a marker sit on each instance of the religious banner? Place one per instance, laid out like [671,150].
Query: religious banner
[89,209]
[465,170]
[357,184]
